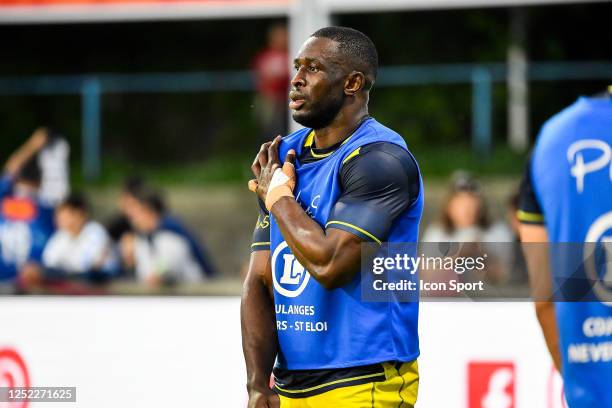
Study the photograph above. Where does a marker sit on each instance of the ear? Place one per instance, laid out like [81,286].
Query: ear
[355,82]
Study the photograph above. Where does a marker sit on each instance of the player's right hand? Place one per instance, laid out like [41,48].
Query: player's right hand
[263,399]
[272,181]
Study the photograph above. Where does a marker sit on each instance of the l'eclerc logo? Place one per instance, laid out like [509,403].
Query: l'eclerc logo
[491,385]
[13,373]
[288,275]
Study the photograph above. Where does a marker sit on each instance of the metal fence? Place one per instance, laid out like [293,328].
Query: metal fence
[92,87]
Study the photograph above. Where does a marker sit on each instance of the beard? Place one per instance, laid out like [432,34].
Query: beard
[322,114]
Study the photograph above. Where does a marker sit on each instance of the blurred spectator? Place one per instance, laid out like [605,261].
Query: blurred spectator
[164,251]
[464,219]
[119,224]
[271,66]
[25,222]
[80,246]
[53,160]
[464,216]
[120,228]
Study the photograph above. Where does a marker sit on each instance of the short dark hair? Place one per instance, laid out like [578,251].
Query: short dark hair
[132,184]
[76,201]
[151,199]
[356,47]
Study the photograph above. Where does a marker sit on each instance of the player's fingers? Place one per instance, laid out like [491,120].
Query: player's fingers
[290,158]
[262,156]
[273,150]
[256,168]
[253,185]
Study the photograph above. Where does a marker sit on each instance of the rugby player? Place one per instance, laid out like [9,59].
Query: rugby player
[566,197]
[342,180]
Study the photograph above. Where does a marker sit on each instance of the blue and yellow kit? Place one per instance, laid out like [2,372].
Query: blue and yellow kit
[332,345]
[568,189]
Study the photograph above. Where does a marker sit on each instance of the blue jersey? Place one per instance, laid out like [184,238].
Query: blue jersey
[25,227]
[319,328]
[571,173]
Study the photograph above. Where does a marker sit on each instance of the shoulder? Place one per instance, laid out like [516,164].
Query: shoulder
[562,123]
[170,224]
[380,162]
[94,229]
[171,242]
[374,127]
[58,239]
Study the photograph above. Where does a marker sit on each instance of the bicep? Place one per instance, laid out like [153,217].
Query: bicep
[346,248]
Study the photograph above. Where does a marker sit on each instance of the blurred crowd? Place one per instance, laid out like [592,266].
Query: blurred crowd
[465,219]
[49,240]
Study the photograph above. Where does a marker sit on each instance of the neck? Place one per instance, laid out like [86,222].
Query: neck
[343,125]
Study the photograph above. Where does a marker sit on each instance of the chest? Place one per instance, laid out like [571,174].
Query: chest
[318,188]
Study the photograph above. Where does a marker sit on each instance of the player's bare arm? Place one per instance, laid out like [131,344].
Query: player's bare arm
[259,341]
[29,149]
[540,279]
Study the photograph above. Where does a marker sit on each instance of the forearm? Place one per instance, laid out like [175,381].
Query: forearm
[30,148]
[545,312]
[259,339]
[305,237]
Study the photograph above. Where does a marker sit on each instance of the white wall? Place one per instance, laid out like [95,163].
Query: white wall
[186,352]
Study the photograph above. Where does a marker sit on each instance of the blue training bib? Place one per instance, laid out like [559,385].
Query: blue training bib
[320,328]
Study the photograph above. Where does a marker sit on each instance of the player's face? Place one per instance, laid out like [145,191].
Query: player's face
[317,88]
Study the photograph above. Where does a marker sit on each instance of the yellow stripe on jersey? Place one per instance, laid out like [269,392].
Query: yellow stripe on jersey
[254,244]
[309,139]
[529,217]
[344,380]
[399,389]
[356,228]
[353,154]
[319,156]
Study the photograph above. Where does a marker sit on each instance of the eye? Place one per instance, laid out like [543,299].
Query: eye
[312,68]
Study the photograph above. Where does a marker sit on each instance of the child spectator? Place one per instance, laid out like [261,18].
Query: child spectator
[25,222]
[164,251]
[80,246]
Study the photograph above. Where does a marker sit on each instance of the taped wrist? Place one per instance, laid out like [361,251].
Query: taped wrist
[281,185]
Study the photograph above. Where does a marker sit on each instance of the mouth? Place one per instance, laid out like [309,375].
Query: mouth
[296,104]
[297,101]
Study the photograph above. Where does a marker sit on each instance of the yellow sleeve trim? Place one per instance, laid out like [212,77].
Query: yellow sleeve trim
[529,217]
[356,228]
[330,383]
[353,154]
[254,244]
[318,156]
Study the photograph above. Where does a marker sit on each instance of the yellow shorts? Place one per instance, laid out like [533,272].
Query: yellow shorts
[399,390]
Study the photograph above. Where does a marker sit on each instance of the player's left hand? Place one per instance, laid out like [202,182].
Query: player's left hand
[273,181]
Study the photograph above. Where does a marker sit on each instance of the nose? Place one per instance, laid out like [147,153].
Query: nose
[298,79]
